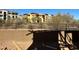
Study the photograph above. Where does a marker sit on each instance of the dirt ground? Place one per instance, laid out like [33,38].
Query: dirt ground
[15,39]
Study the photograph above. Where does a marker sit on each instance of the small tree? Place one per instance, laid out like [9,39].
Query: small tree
[60,19]
[19,23]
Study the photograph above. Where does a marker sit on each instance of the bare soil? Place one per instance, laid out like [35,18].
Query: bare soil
[15,39]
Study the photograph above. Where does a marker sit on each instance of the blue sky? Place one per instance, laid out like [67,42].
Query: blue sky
[74,12]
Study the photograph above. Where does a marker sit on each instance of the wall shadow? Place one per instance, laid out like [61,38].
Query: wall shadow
[75,40]
[45,40]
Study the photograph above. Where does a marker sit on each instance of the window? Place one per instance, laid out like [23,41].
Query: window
[4,15]
[16,16]
[13,17]
[9,13]
[1,15]
[0,11]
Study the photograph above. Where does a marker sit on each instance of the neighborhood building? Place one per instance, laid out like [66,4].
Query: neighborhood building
[42,17]
[5,15]
[30,17]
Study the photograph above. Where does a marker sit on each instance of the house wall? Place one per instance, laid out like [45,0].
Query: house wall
[43,17]
[8,15]
[4,16]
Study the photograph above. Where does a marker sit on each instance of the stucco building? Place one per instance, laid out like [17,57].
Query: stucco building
[42,17]
[5,15]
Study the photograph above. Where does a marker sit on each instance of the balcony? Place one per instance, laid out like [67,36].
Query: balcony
[1,15]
